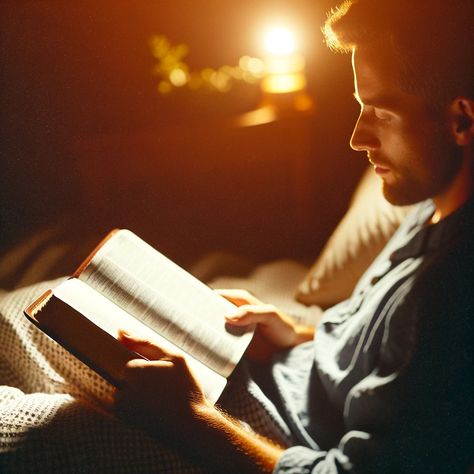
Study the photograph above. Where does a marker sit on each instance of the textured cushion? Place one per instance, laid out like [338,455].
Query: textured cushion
[362,233]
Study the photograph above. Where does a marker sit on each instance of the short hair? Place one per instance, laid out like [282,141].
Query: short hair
[431,40]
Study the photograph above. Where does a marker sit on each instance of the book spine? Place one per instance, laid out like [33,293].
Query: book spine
[89,258]
[38,304]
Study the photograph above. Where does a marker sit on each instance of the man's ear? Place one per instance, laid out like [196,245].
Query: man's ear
[461,114]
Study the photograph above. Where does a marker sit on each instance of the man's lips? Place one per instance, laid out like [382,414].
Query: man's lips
[379,168]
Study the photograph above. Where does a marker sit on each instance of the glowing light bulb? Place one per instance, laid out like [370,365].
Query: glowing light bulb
[284,70]
[280,41]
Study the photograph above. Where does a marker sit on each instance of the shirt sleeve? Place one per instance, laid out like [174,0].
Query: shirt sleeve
[414,413]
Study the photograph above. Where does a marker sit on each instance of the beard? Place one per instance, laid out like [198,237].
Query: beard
[409,188]
[404,192]
[423,175]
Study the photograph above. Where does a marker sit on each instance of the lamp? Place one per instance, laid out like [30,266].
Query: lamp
[285,80]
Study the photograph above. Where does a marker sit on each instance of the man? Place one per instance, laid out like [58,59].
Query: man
[387,383]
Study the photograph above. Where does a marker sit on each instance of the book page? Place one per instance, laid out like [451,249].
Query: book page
[169,300]
[110,318]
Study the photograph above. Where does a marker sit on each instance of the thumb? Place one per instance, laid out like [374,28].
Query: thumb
[142,346]
[251,315]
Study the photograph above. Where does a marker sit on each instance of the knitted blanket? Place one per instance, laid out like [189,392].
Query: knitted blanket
[54,410]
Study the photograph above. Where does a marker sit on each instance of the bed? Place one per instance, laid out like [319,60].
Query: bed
[50,420]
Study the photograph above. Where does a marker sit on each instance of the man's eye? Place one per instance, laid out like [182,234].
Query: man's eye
[381,115]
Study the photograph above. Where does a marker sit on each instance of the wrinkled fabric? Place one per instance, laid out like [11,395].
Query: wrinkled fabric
[389,386]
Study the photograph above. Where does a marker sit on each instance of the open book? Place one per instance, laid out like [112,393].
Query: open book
[126,284]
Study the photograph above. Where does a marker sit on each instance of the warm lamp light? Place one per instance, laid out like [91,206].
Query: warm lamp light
[280,41]
[284,65]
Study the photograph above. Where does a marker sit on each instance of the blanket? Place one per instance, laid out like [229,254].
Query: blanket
[55,412]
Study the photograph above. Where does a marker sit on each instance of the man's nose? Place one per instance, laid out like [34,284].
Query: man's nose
[363,137]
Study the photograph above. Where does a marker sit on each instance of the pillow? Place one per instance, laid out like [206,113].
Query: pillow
[360,236]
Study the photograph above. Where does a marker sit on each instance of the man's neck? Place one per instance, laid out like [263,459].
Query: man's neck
[458,192]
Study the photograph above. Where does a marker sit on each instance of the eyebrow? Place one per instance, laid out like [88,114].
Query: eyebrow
[382,101]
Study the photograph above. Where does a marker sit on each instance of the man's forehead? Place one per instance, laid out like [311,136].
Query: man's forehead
[374,74]
[376,82]
[371,68]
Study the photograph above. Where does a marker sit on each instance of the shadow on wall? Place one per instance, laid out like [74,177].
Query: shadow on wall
[85,133]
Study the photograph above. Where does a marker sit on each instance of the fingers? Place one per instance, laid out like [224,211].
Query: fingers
[169,378]
[142,364]
[149,375]
[251,314]
[139,372]
[141,346]
[157,358]
[238,297]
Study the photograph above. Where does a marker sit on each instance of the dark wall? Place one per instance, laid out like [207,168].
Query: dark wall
[73,72]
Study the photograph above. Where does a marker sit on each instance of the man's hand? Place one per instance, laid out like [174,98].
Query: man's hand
[275,331]
[162,396]
[157,394]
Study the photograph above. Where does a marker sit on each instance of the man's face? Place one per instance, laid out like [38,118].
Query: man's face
[408,146]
